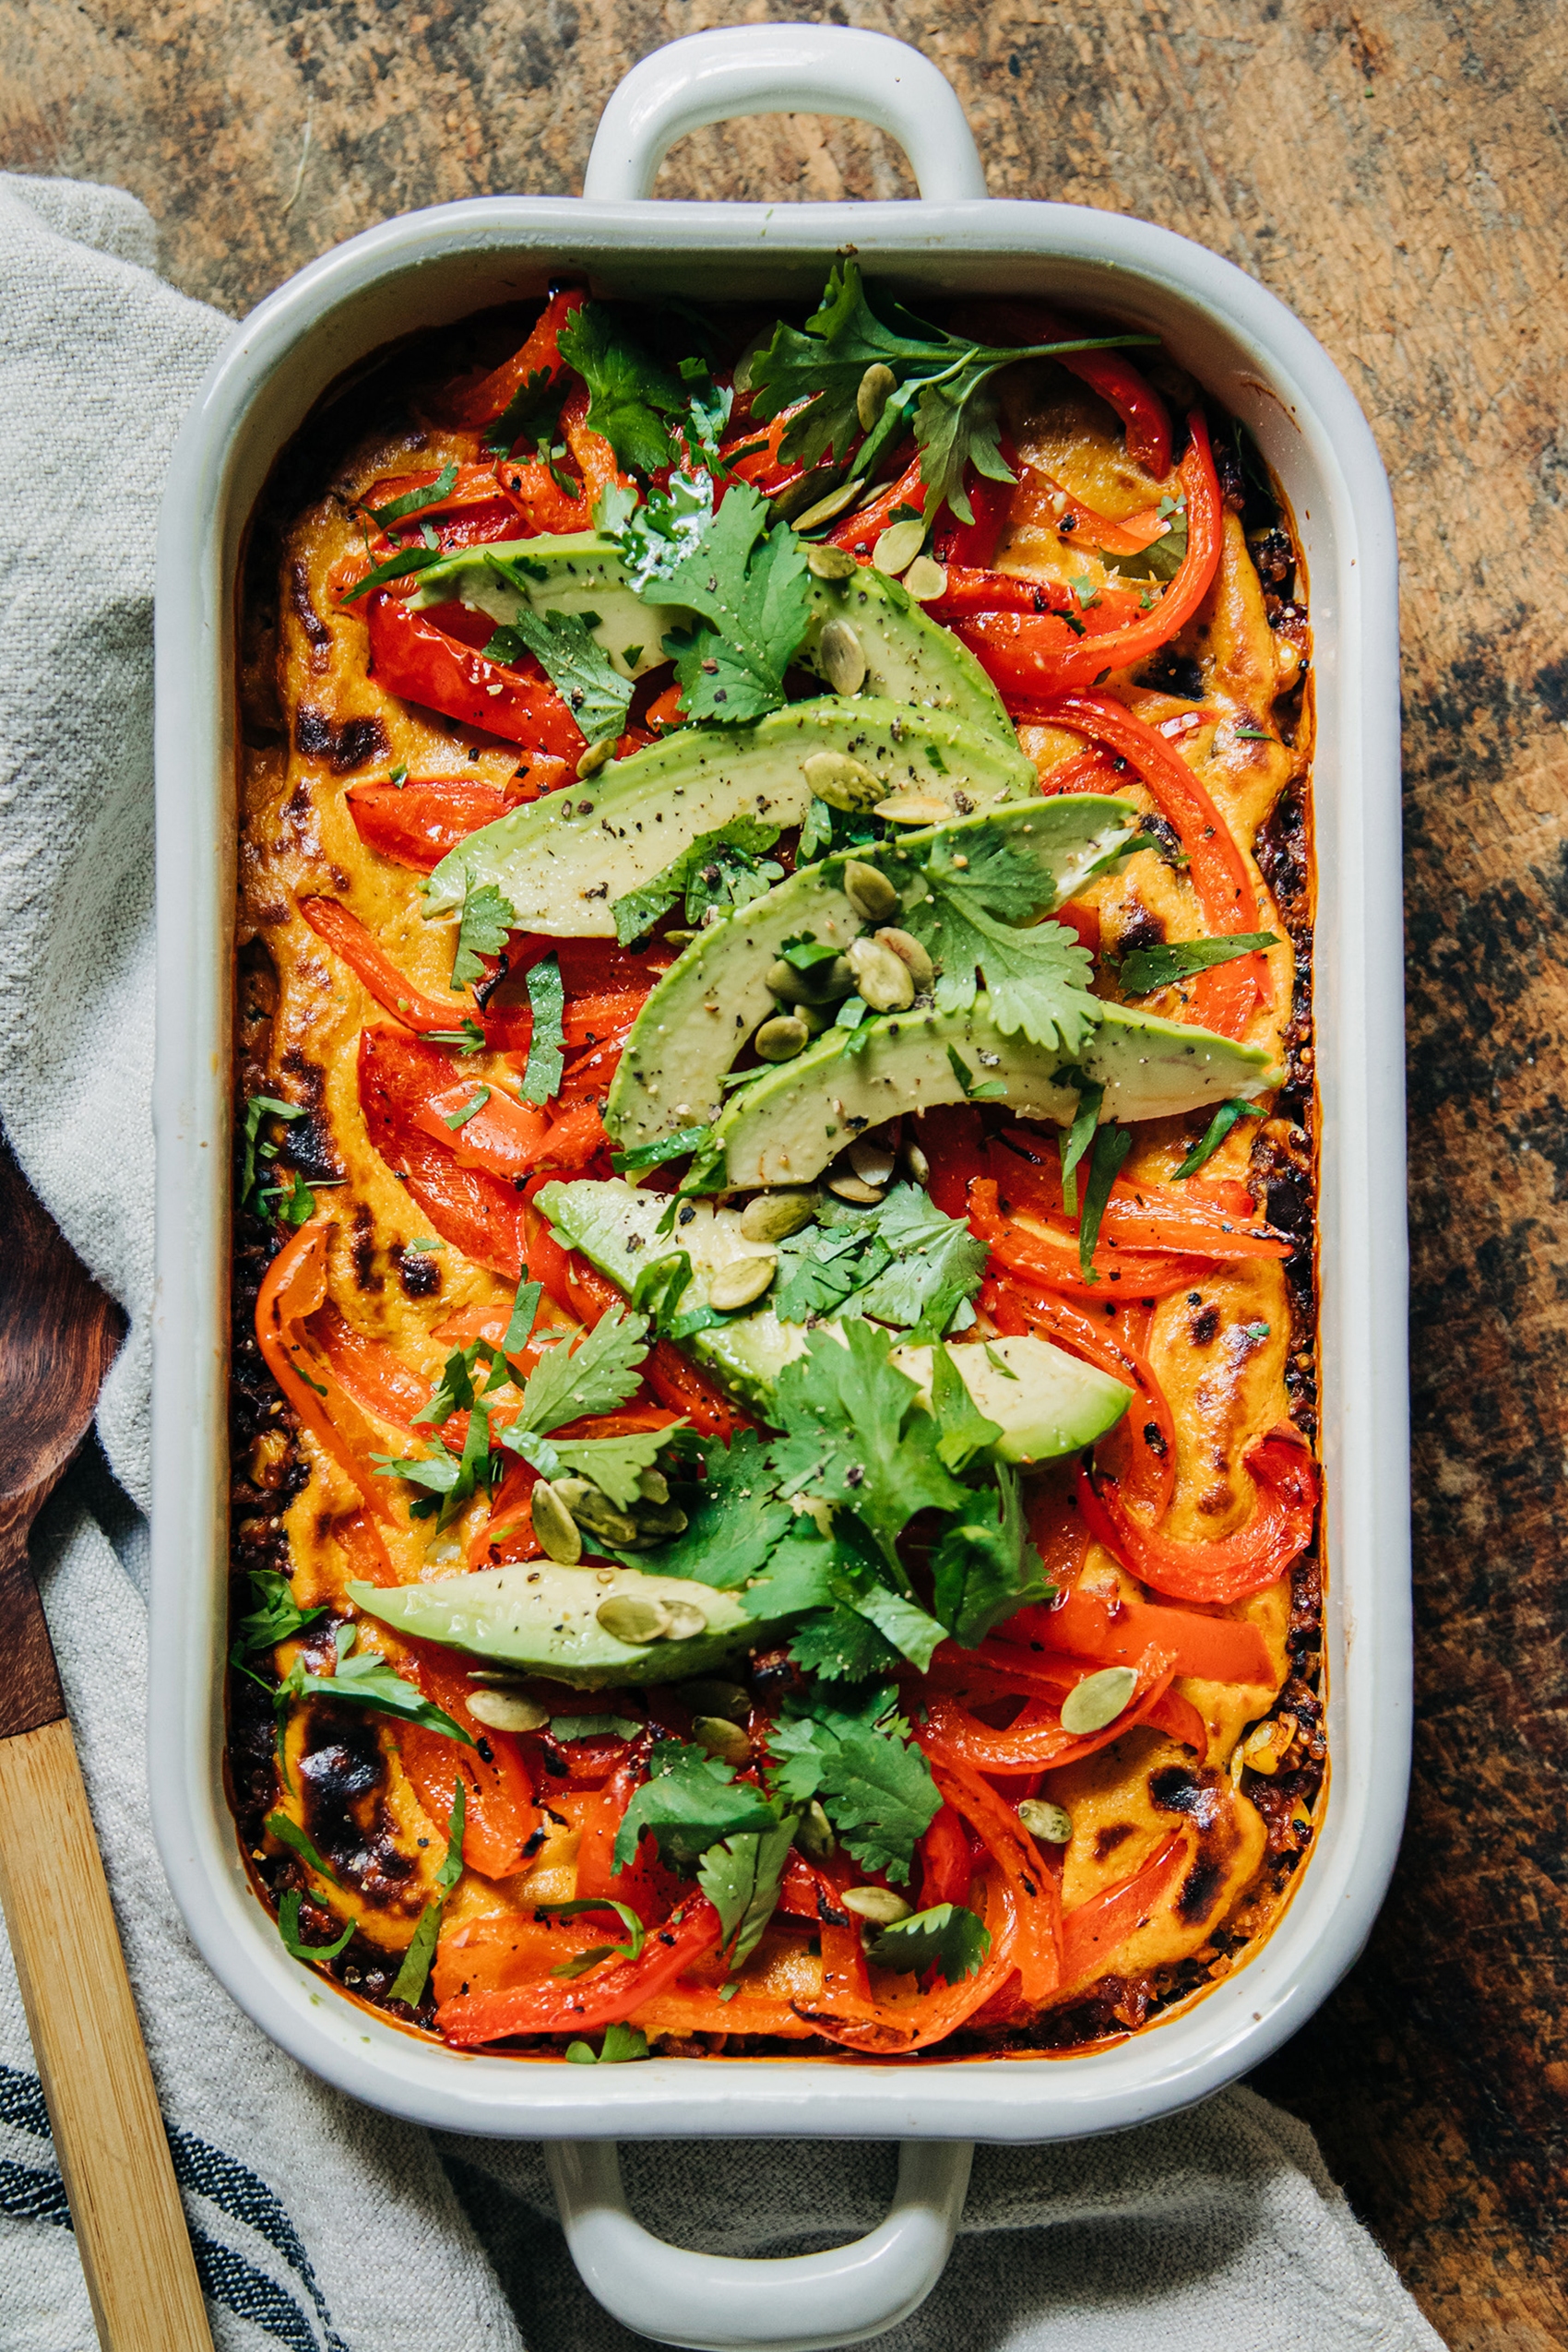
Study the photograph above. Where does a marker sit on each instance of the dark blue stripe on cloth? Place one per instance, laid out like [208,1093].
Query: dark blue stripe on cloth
[206,2172]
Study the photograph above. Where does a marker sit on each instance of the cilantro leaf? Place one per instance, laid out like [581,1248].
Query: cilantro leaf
[985,1569]
[1214,1135]
[654,537]
[621,2043]
[974,919]
[487,923]
[1112,1145]
[413,501]
[948,1937]
[691,1801]
[740,1877]
[635,1932]
[289,1833]
[396,567]
[595,1377]
[941,380]
[842,1647]
[630,395]
[733,1521]
[410,1982]
[547,1061]
[1079,1137]
[257,1108]
[1147,969]
[275,1615]
[612,1464]
[1163,557]
[820,1267]
[893,1260]
[719,869]
[963,1431]
[591,1727]
[752,592]
[524,1314]
[871,1781]
[854,1436]
[368,1680]
[288,1929]
[654,1155]
[575,663]
[531,414]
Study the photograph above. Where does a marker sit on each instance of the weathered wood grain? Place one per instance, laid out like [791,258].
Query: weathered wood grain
[1395,173]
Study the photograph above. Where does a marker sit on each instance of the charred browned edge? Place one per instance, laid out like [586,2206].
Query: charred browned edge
[343,1758]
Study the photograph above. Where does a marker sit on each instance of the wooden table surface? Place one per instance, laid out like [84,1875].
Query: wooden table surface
[1398,175]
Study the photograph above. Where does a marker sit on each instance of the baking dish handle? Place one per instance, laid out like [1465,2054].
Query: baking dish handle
[797,2303]
[784,70]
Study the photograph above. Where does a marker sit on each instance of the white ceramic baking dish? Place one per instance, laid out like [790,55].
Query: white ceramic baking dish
[436,266]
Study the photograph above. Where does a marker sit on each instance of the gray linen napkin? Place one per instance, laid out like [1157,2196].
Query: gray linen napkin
[320,2225]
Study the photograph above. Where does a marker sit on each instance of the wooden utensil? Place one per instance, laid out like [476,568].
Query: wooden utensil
[58,1337]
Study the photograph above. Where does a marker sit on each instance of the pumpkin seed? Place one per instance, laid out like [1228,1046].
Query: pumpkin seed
[773,1217]
[926,579]
[730,1700]
[842,658]
[786,503]
[722,1738]
[884,981]
[824,983]
[1042,1819]
[597,755]
[508,1711]
[660,1519]
[825,562]
[815,1836]
[833,776]
[850,1187]
[916,1166]
[913,808]
[826,508]
[870,396]
[596,1511]
[877,1902]
[897,546]
[653,1486]
[687,1620]
[743,1279]
[781,1039]
[1098,1700]
[554,1525]
[870,893]
[626,1617]
[871,1162]
[909,951]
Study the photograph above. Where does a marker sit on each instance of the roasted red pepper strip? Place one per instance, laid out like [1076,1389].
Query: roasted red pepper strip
[1115,1630]
[1233,1566]
[860,532]
[416,824]
[605,1996]
[1092,1931]
[673,1381]
[500,1814]
[411,657]
[1035,1944]
[472,514]
[1221,999]
[1138,1215]
[480,403]
[293,1287]
[1038,1739]
[1112,1345]
[975,544]
[946,1864]
[1110,374]
[1045,1257]
[951,1140]
[476,1212]
[536,493]
[1026,654]
[973,595]
[348,937]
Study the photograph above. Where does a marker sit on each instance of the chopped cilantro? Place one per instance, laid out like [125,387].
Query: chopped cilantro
[469,1039]
[275,1615]
[1112,1145]
[577,1384]
[546,1062]
[288,1929]
[1218,1127]
[719,869]
[368,1680]
[1147,968]
[1075,1140]
[412,502]
[1163,557]
[740,1877]
[654,537]
[985,1569]
[948,1938]
[633,1947]
[531,414]
[396,567]
[733,1519]
[289,1833]
[410,1982]
[963,1431]
[470,1110]
[842,1647]
[654,1155]
[487,922]
[257,1108]
[621,2044]
[859,1763]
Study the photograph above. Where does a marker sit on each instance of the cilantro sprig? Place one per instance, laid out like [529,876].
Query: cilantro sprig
[941,387]
[546,1062]
[487,923]
[975,919]
[948,1938]
[631,396]
[1146,968]
[865,1771]
[751,591]
[575,663]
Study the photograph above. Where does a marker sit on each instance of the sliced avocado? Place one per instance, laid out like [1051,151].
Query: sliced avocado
[1046,1402]
[616,1228]
[573,572]
[908,658]
[562,862]
[1052,1405]
[787,1125]
[542,1617]
[711,1000]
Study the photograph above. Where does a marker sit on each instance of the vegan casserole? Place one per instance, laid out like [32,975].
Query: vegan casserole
[773,1480]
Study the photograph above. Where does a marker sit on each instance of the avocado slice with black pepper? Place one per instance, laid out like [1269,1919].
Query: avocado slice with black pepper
[709,1002]
[562,861]
[787,1125]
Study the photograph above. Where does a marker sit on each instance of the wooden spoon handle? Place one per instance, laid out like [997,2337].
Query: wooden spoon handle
[109,2134]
